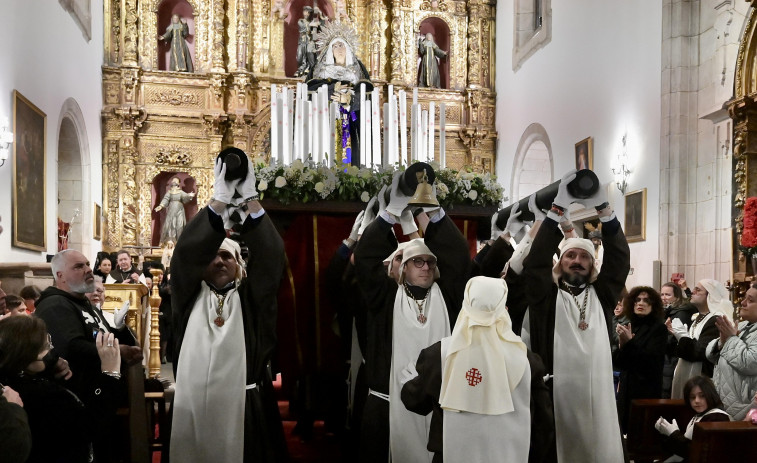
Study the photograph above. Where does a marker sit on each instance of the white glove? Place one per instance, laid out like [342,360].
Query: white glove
[514,224]
[597,199]
[539,215]
[357,226]
[665,427]
[246,188]
[119,315]
[382,199]
[408,373]
[679,329]
[407,222]
[397,199]
[496,232]
[222,190]
[368,215]
[564,198]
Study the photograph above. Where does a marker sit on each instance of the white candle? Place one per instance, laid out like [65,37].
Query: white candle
[367,139]
[316,128]
[387,143]
[416,131]
[375,121]
[323,102]
[415,95]
[286,133]
[403,127]
[308,130]
[423,151]
[442,135]
[297,143]
[363,134]
[275,120]
[430,145]
[393,151]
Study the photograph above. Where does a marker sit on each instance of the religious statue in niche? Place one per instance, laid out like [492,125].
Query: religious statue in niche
[430,53]
[338,68]
[341,10]
[305,46]
[176,34]
[176,219]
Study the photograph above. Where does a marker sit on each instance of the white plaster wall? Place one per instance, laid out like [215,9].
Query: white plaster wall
[599,76]
[47,59]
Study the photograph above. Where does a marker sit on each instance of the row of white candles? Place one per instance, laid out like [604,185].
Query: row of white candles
[303,124]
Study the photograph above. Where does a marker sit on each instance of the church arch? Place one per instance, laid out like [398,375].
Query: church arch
[74,185]
[533,165]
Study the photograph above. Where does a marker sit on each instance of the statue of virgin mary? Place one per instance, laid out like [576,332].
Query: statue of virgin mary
[338,68]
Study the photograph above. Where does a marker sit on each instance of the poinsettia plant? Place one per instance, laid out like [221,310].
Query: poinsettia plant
[749,232]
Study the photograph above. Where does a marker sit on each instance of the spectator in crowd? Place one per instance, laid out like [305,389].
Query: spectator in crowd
[103,265]
[700,395]
[73,324]
[734,353]
[125,271]
[2,299]
[675,307]
[30,294]
[15,436]
[641,350]
[14,305]
[710,298]
[62,428]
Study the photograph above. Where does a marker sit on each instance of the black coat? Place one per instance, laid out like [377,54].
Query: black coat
[421,395]
[694,350]
[196,249]
[640,363]
[15,437]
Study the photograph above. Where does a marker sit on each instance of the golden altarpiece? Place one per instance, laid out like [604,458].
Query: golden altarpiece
[159,123]
[742,109]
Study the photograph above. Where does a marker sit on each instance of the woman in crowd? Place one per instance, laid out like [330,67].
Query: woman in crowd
[676,307]
[61,427]
[700,395]
[103,265]
[734,353]
[641,349]
[30,294]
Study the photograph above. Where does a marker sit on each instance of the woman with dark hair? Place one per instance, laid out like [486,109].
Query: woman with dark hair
[61,427]
[641,350]
[103,265]
[700,395]
[676,306]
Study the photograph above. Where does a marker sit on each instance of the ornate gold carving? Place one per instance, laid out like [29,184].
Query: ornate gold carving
[173,155]
[174,97]
[115,30]
[218,88]
[130,32]
[472,136]
[131,117]
[434,5]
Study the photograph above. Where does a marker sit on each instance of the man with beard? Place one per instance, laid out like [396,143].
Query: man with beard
[571,305]
[73,325]
[125,271]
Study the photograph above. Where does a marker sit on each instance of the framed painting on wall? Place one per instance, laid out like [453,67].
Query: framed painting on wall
[97,223]
[29,128]
[585,154]
[635,224]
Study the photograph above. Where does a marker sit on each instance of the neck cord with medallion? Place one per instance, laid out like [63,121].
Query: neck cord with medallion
[221,296]
[699,319]
[421,317]
[582,324]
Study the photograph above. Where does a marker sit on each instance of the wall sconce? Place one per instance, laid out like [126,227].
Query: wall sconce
[621,170]
[6,138]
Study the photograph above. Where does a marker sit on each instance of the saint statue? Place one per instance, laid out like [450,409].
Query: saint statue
[339,69]
[429,51]
[305,47]
[173,202]
[176,33]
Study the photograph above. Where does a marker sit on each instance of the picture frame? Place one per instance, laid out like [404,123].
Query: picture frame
[635,222]
[97,222]
[29,167]
[585,154]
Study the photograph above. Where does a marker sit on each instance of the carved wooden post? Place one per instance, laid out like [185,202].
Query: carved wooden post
[154,366]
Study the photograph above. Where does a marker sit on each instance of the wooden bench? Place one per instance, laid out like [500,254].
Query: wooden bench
[713,442]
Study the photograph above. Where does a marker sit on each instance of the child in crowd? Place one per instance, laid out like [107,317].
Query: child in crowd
[700,395]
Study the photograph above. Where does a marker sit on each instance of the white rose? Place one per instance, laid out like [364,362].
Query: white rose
[353,171]
[298,164]
[365,197]
[262,185]
[473,194]
[280,182]
[319,187]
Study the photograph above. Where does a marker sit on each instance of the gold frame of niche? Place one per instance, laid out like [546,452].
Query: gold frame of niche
[162,121]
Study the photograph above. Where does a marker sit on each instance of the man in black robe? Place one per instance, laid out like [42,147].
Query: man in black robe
[379,290]
[211,298]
